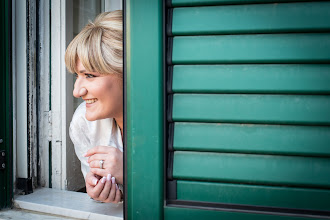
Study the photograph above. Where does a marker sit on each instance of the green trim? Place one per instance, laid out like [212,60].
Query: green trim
[6,191]
[144,117]
[173,213]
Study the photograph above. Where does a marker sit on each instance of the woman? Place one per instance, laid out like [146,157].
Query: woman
[96,129]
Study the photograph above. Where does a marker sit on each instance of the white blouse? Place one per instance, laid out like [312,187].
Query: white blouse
[88,134]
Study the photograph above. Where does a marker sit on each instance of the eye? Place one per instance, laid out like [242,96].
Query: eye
[75,75]
[88,75]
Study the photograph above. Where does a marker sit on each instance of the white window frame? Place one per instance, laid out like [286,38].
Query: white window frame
[59,95]
[19,91]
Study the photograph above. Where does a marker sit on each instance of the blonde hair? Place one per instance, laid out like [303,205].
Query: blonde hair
[98,46]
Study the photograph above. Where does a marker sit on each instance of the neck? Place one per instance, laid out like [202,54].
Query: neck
[119,121]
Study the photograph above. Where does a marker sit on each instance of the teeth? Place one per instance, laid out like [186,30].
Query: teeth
[90,101]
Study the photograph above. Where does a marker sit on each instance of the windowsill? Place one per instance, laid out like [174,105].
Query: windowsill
[69,204]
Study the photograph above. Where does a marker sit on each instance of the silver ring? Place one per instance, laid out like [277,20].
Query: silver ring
[101,164]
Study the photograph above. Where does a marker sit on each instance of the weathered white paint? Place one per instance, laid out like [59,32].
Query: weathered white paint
[32,90]
[20,106]
[44,80]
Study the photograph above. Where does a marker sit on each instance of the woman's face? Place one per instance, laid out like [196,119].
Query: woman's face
[103,94]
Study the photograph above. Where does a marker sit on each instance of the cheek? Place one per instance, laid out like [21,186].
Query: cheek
[118,95]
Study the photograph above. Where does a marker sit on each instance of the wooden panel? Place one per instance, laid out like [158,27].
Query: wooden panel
[297,198]
[262,48]
[249,138]
[176,3]
[267,78]
[143,112]
[259,18]
[284,109]
[249,168]
[191,213]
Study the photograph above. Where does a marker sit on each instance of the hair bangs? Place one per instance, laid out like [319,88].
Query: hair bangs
[71,57]
[98,46]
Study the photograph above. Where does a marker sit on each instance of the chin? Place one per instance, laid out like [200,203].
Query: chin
[94,117]
[90,118]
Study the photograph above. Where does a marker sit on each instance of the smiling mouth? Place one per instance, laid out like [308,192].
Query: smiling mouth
[90,101]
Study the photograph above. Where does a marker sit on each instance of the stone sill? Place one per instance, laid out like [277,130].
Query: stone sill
[68,204]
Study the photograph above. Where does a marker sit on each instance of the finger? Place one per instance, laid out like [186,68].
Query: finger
[97,164]
[92,179]
[118,194]
[106,189]
[113,189]
[89,188]
[95,193]
[97,150]
[96,157]
[100,172]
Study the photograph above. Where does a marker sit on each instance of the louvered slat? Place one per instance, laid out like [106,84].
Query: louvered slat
[289,197]
[276,78]
[262,48]
[252,138]
[275,109]
[179,3]
[262,18]
[249,168]
[176,213]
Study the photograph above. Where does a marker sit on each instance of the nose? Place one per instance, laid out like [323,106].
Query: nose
[79,90]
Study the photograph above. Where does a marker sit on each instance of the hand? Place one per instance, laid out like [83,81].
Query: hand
[102,189]
[113,161]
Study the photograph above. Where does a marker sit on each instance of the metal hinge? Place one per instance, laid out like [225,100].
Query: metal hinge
[2,160]
[50,126]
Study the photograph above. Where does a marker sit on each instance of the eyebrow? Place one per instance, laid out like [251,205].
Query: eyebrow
[82,71]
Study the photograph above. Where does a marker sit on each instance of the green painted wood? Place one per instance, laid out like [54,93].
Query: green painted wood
[260,48]
[179,213]
[283,109]
[177,3]
[6,189]
[245,154]
[273,78]
[250,168]
[144,109]
[252,138]
[285,197]
[258,18]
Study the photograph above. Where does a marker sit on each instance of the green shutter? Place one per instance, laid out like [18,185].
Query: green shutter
[6,190]
[248,109]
